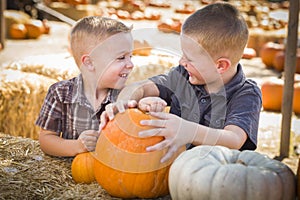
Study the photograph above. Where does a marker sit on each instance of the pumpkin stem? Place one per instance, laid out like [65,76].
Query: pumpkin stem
[241,162]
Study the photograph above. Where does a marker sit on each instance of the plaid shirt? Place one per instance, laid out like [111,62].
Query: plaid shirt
[67,111]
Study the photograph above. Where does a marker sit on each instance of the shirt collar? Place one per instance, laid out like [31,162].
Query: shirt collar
[79,97]
[234,84]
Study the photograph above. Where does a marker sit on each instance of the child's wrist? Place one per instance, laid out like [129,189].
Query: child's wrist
[80,146]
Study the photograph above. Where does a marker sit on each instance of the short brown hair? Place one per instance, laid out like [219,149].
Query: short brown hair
[220,29]
[89,31]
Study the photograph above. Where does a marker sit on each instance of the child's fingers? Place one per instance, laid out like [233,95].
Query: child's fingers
[132,104]
[103,120]
[157,107]
[144,107]
[109,109]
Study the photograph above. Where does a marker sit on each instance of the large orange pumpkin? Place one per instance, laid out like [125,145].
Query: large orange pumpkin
[82,168]
[123,167]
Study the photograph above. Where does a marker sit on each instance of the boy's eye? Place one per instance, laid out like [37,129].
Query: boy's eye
[121,58]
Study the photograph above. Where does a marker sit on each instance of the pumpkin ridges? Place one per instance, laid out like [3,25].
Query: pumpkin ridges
[128,180]
[126,142]
[231,180]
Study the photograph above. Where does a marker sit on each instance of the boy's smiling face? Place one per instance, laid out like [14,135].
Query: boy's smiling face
[112,60]
[201,67]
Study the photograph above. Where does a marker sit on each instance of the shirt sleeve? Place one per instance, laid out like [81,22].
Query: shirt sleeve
[169,83]
[51,112]
[244,111]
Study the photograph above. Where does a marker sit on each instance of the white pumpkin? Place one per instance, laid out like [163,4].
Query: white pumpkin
[219,173]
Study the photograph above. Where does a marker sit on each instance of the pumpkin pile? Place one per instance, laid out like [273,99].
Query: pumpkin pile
[219,173]
[19,25]
[123,167]
[272,93]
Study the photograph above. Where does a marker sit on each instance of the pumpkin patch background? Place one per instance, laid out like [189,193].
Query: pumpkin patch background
[27,173]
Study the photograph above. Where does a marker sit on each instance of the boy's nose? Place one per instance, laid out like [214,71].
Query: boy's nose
[129,64]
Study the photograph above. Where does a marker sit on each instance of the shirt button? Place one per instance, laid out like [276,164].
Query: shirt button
[218,121]
[203,101]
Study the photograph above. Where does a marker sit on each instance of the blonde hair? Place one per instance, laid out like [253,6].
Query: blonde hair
[220,29]
[90,31]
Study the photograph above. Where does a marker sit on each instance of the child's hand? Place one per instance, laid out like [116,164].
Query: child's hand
[152,104]
[176,131]
[89,139]
[112,109]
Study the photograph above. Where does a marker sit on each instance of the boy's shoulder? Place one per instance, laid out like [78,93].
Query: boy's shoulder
[64,84]
[65,88]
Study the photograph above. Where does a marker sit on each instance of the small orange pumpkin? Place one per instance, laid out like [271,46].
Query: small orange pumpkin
[123,167]
[35,28]
[82,168]
[17,31]
[268,52]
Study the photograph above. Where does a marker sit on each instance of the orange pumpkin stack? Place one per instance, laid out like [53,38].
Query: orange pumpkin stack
[123,167]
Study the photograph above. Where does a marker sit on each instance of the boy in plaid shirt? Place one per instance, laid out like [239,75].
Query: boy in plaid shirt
[70,116]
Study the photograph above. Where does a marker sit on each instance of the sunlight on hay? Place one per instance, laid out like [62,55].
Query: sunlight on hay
[21,97]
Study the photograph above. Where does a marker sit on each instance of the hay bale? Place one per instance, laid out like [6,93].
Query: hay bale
[27,173]
[56,66]
[21,97]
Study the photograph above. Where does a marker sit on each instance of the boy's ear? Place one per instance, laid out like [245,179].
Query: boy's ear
[223,64]
[87,62]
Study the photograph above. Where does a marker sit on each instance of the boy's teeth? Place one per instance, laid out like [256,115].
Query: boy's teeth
[123,75]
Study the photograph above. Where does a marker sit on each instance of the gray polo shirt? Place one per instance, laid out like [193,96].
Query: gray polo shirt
[238,103]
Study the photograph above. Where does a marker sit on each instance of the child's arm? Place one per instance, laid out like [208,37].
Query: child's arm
[179,132]
[52,144]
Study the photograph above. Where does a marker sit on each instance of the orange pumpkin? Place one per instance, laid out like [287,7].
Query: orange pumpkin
[123,167]
[17,31]
[279,60]
[268,52]
[35,28]
[296,99]
[272,92]
[82,168]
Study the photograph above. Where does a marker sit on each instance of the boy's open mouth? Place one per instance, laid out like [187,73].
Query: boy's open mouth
[123,75]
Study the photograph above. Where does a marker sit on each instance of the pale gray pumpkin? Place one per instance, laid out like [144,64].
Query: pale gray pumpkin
[219,173]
